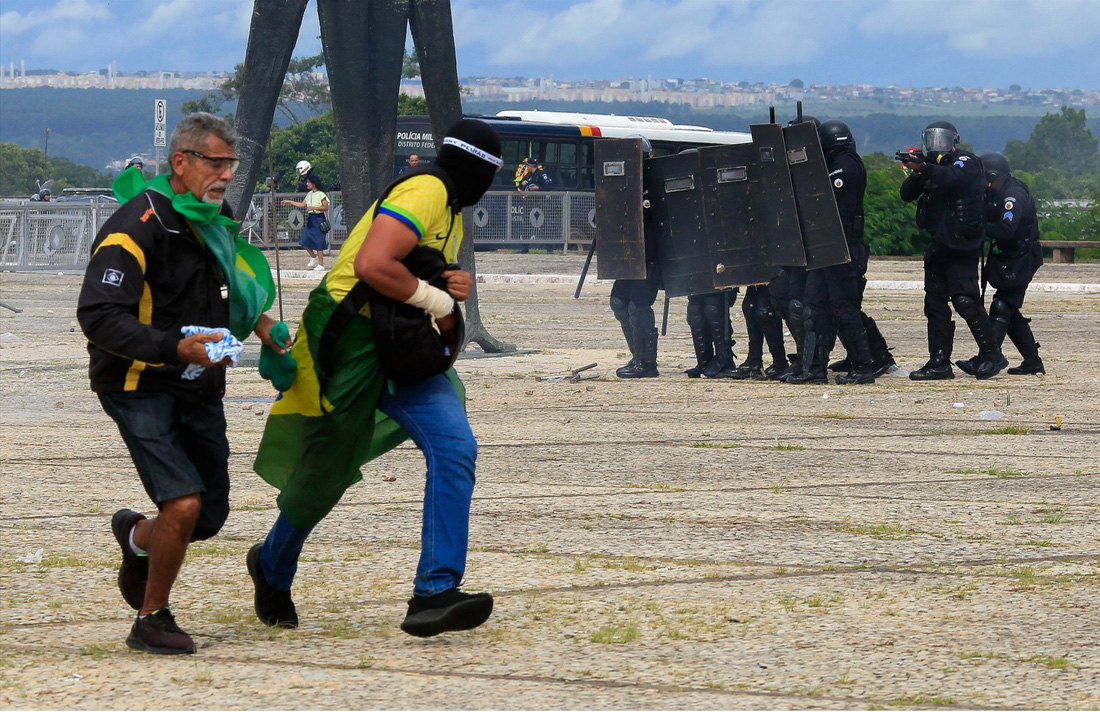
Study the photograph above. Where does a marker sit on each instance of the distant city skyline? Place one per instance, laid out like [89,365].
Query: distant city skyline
[1036,44]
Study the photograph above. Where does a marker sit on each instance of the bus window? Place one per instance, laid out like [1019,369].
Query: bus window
[559,159]
[513,151]
[586,180]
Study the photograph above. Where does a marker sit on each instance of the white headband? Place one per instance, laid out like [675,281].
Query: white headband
[470,148]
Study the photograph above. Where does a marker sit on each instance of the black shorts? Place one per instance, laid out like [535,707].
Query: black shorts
[178,448]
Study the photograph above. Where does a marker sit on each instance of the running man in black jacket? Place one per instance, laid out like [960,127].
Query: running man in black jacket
[154,270]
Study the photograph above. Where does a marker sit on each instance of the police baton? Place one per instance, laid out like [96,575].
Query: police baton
[584,270]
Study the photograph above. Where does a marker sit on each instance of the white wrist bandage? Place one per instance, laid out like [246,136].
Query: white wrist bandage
[432,300]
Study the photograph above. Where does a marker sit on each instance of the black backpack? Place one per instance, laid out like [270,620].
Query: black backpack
[408,345]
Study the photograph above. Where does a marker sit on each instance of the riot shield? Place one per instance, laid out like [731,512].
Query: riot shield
[619,239]
[738,246]
[675,193]
[775,198]
[822,231]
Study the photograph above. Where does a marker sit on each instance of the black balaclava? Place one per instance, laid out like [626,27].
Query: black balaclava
[470,155]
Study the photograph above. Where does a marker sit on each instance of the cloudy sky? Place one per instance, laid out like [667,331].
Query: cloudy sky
[991,43]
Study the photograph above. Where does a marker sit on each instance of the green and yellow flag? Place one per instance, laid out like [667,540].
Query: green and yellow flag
[251,288]
[318,434]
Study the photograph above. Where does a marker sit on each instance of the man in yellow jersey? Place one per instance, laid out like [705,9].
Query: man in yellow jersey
[334,419]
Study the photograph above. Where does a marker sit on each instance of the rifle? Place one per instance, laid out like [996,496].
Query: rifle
[910,155]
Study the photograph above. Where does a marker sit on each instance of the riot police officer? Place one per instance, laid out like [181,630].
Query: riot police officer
[708,317]
[836,292]
[762,323]
[632,300]
[1015,255]
[949,185]
[787,290]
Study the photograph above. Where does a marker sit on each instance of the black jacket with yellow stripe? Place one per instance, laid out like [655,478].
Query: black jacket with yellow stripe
[148,276]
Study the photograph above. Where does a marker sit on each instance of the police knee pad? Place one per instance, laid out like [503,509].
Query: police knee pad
[620,308]
[695,318]
[809,316]
[1001,310]
[965,305]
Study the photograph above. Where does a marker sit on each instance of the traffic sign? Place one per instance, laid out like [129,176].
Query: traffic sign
[160,122]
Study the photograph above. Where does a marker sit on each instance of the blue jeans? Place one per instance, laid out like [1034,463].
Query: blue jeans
[434,416]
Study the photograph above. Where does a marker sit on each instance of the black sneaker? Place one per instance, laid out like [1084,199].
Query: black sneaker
[273,607]
[450,610]
[158,633]
[134,571]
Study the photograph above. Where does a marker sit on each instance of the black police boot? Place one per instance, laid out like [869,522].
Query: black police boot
[938,368]
[794,365]
[772,373]
[704,347]
[992,360]
[753,370]
[721,365]
[1024,341]
[862,371]
[628,334]
[841,366]
[812,366]
[970,365]
[645,358]
[1030,366]
[753,366]
[773,337]
[881,358]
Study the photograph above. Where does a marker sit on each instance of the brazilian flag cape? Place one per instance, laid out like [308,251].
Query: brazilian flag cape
[251,289]
[318,434]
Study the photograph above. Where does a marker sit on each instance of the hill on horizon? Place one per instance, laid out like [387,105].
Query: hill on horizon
[96,126]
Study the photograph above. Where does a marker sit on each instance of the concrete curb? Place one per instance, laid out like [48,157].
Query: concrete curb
[885,284]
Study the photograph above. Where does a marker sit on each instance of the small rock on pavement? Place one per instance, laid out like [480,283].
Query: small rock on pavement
[389,478]
[59,404]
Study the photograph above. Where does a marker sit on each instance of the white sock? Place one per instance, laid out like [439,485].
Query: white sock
[134,547]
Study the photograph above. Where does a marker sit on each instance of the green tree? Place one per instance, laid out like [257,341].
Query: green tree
[304,93]
[889,224]
[315,140]
[1058,141]
[211,103]
[22,168]
[410,66]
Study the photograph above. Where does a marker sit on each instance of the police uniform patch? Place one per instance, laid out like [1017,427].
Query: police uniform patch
[645,203]
[113,277]
[838,183]
[1008,215]
[1009,205]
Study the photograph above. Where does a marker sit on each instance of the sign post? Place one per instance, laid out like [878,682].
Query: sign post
[160,127]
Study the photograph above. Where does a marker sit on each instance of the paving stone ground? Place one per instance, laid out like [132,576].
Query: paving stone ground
[665,543]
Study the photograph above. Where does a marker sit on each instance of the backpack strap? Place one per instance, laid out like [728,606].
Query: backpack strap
[359,295]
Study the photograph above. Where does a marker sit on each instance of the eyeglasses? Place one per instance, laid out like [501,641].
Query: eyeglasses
[219,162]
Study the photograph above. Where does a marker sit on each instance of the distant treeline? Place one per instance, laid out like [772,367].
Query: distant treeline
[96,126]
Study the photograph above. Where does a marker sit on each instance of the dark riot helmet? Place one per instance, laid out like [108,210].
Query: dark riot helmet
[647,147]
[806,119]
[996,166]
[835,135]
[471,156]
[939,137]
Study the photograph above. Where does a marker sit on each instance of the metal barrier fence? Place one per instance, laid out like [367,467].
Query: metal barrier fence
[44,236]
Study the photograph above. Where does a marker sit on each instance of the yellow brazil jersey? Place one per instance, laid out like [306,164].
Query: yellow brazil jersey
[420,203]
